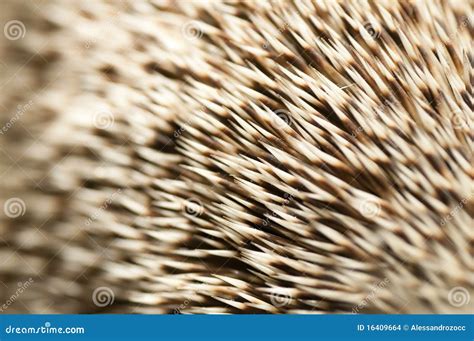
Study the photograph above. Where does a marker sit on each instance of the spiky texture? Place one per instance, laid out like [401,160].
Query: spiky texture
[267,157]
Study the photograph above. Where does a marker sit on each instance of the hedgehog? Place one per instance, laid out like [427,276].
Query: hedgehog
[226,157]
